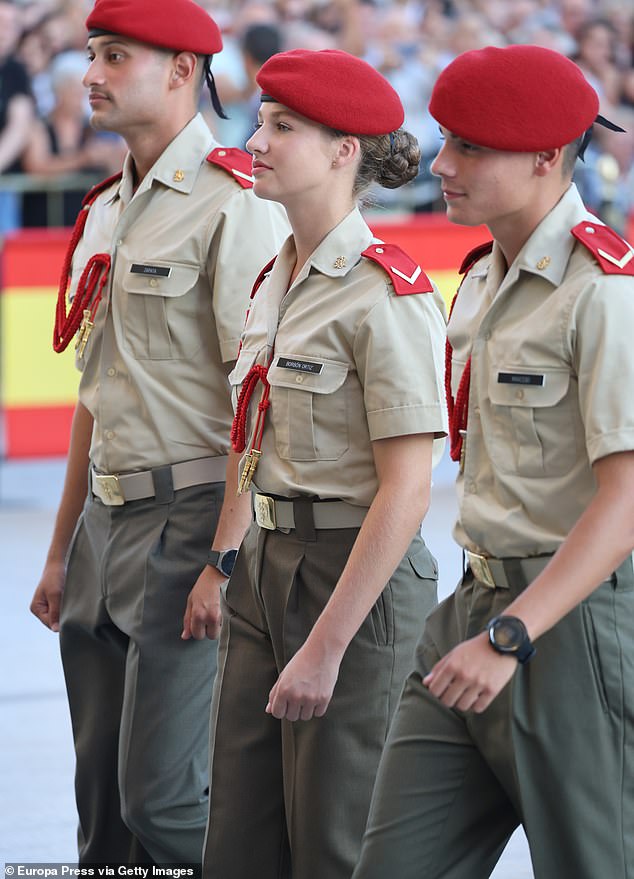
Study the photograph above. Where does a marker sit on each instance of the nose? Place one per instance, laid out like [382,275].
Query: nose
[441,166]
[257,142]
[93,74]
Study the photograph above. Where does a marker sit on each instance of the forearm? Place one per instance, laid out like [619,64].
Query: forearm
[235,515]
[75,484]
[387,531]
[601,539]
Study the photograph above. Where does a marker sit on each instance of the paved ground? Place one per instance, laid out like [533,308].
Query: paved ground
[37,823]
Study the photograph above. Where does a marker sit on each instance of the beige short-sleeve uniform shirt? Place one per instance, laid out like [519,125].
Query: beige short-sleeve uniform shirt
[352,362]
[186,248]
[552,386]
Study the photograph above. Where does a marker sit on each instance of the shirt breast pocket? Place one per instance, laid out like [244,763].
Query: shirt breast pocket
[535,427]
[163,317]
[308,408]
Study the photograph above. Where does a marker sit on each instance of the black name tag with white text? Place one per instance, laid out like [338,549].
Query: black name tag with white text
[161,271]
[300,365]
[521,378]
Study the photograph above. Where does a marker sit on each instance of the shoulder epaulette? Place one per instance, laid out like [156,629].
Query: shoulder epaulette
[236,162]
[406,275]
[261,277]
[98,188]
[613,253]
[474,255]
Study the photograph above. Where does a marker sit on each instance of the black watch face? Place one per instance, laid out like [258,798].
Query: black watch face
[507,634]
[228,561]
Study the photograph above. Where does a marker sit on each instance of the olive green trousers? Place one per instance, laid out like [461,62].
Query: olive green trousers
[292,798]
[554,752]
[139,696]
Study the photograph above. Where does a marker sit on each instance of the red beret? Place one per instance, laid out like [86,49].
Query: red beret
[181,25]
[520,98]
[334,88]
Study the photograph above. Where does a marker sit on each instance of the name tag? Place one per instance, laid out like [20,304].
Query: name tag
[521,378]
[139,269]
[300,365]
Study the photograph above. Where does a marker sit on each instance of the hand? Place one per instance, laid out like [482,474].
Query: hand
[203,616]
[471,675]
[48,595]
[304,688]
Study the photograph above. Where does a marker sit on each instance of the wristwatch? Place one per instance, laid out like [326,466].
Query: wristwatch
[223,560]
[508,635]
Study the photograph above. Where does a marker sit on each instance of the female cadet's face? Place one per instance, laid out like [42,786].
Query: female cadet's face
[292,156]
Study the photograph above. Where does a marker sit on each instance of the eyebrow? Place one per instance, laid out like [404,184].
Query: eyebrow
[285,111]
[113,41]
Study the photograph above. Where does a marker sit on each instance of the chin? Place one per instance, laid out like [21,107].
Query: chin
[460,218]
[260,189]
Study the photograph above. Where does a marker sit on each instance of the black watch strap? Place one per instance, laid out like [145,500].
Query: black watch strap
[222,559]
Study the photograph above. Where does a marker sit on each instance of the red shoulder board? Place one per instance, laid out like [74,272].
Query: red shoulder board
[474,255]
[614,255]
[260,278]
[235,161]
[405,274]
[98,188]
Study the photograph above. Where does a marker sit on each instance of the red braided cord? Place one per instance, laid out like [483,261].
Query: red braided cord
[92,278]
[66,325]
[458,408]
[239,427]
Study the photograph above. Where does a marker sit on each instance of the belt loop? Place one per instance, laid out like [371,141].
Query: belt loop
[304,520]
[515,573]
[163,484]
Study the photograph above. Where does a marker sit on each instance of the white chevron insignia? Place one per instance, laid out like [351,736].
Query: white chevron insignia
[410,280]
[617,262]
[242,174]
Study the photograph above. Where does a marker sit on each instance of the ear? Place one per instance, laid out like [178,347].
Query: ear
[348,150]
[546,160]
[184,66]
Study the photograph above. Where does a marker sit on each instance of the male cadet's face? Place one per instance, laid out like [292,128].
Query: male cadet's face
[481,185]
[126,83]
[292,156]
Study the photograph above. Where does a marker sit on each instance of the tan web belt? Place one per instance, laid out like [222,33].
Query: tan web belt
[503,573]
[271,513]
[116,489]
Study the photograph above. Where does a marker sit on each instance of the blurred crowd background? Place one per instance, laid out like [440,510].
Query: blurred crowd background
[49,155]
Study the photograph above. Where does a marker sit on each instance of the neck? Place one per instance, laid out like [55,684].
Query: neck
[147,144]
[311,224]
[512,233]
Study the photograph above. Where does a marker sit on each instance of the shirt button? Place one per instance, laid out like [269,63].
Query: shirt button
[119,242]
[112,371]
[299,379]
[110,434]
[520,395]
[487,336]
[153,282]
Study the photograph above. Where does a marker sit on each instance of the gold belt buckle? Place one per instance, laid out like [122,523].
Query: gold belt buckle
[481,570]
[264,507]
[111,487]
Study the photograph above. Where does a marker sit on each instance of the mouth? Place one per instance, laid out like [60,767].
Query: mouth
[451,194]
[257,167]
[95,98]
